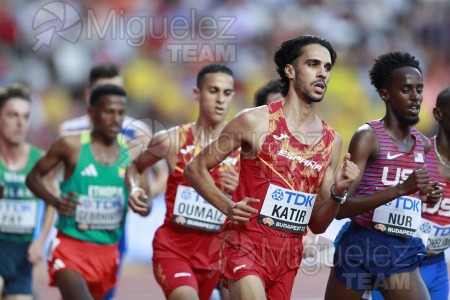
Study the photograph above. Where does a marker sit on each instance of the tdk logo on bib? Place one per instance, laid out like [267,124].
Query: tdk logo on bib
[278,195]
[286,210]
[291,197]
[102,203]
[405,203]
[189,194]
[186,194]
[425,227]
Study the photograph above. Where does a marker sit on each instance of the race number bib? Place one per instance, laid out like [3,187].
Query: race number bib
[438,235]
[400,217]
[99,213]
[191,210]
[18,216]
[286,210]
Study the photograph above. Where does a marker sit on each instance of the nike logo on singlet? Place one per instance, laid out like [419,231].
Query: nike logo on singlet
[389,156]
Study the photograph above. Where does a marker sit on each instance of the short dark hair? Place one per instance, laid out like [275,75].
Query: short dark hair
[385,64]
[103,70]
[105,89]
[212,68]
[261,94]
[443,98]
[290,50]
[14,90]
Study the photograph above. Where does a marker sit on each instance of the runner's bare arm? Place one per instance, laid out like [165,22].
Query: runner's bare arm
[36,248]
[161,146]
[153,178]
[229,179]
[66,151]
[158,184]
[364,149]
[239,132]
[326,208]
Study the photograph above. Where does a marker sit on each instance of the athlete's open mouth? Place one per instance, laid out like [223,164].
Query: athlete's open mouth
[219,110]
[319,87]
[415,109]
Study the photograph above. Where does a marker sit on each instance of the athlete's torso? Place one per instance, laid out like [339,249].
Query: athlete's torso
[101,191]
[401,216]
[190,222]
[285,176]
[18,207]
[436,218]
[185,208]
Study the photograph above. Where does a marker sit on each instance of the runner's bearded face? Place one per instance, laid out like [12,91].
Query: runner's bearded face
[405,94]
[312,72]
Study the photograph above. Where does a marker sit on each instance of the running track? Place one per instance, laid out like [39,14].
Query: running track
[137,283]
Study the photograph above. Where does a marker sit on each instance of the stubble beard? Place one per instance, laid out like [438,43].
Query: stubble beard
[313,98]
[411,121]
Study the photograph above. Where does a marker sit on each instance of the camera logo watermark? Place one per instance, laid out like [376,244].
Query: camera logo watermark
[58,18]
[189,38]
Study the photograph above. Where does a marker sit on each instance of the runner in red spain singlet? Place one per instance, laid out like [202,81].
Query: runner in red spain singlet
[190,224]
[290,174]
[185,257]
[289,162]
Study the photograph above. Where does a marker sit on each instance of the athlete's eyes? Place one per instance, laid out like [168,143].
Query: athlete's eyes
[408,90]
[228,92]
[317,64]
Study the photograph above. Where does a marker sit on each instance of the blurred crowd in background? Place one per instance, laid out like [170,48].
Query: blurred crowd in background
[160,83]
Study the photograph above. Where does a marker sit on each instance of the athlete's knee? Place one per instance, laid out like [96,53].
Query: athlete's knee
[71,283]
[184,292]
[248,287]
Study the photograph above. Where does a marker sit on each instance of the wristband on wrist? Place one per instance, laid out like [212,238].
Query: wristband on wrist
[339,199]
